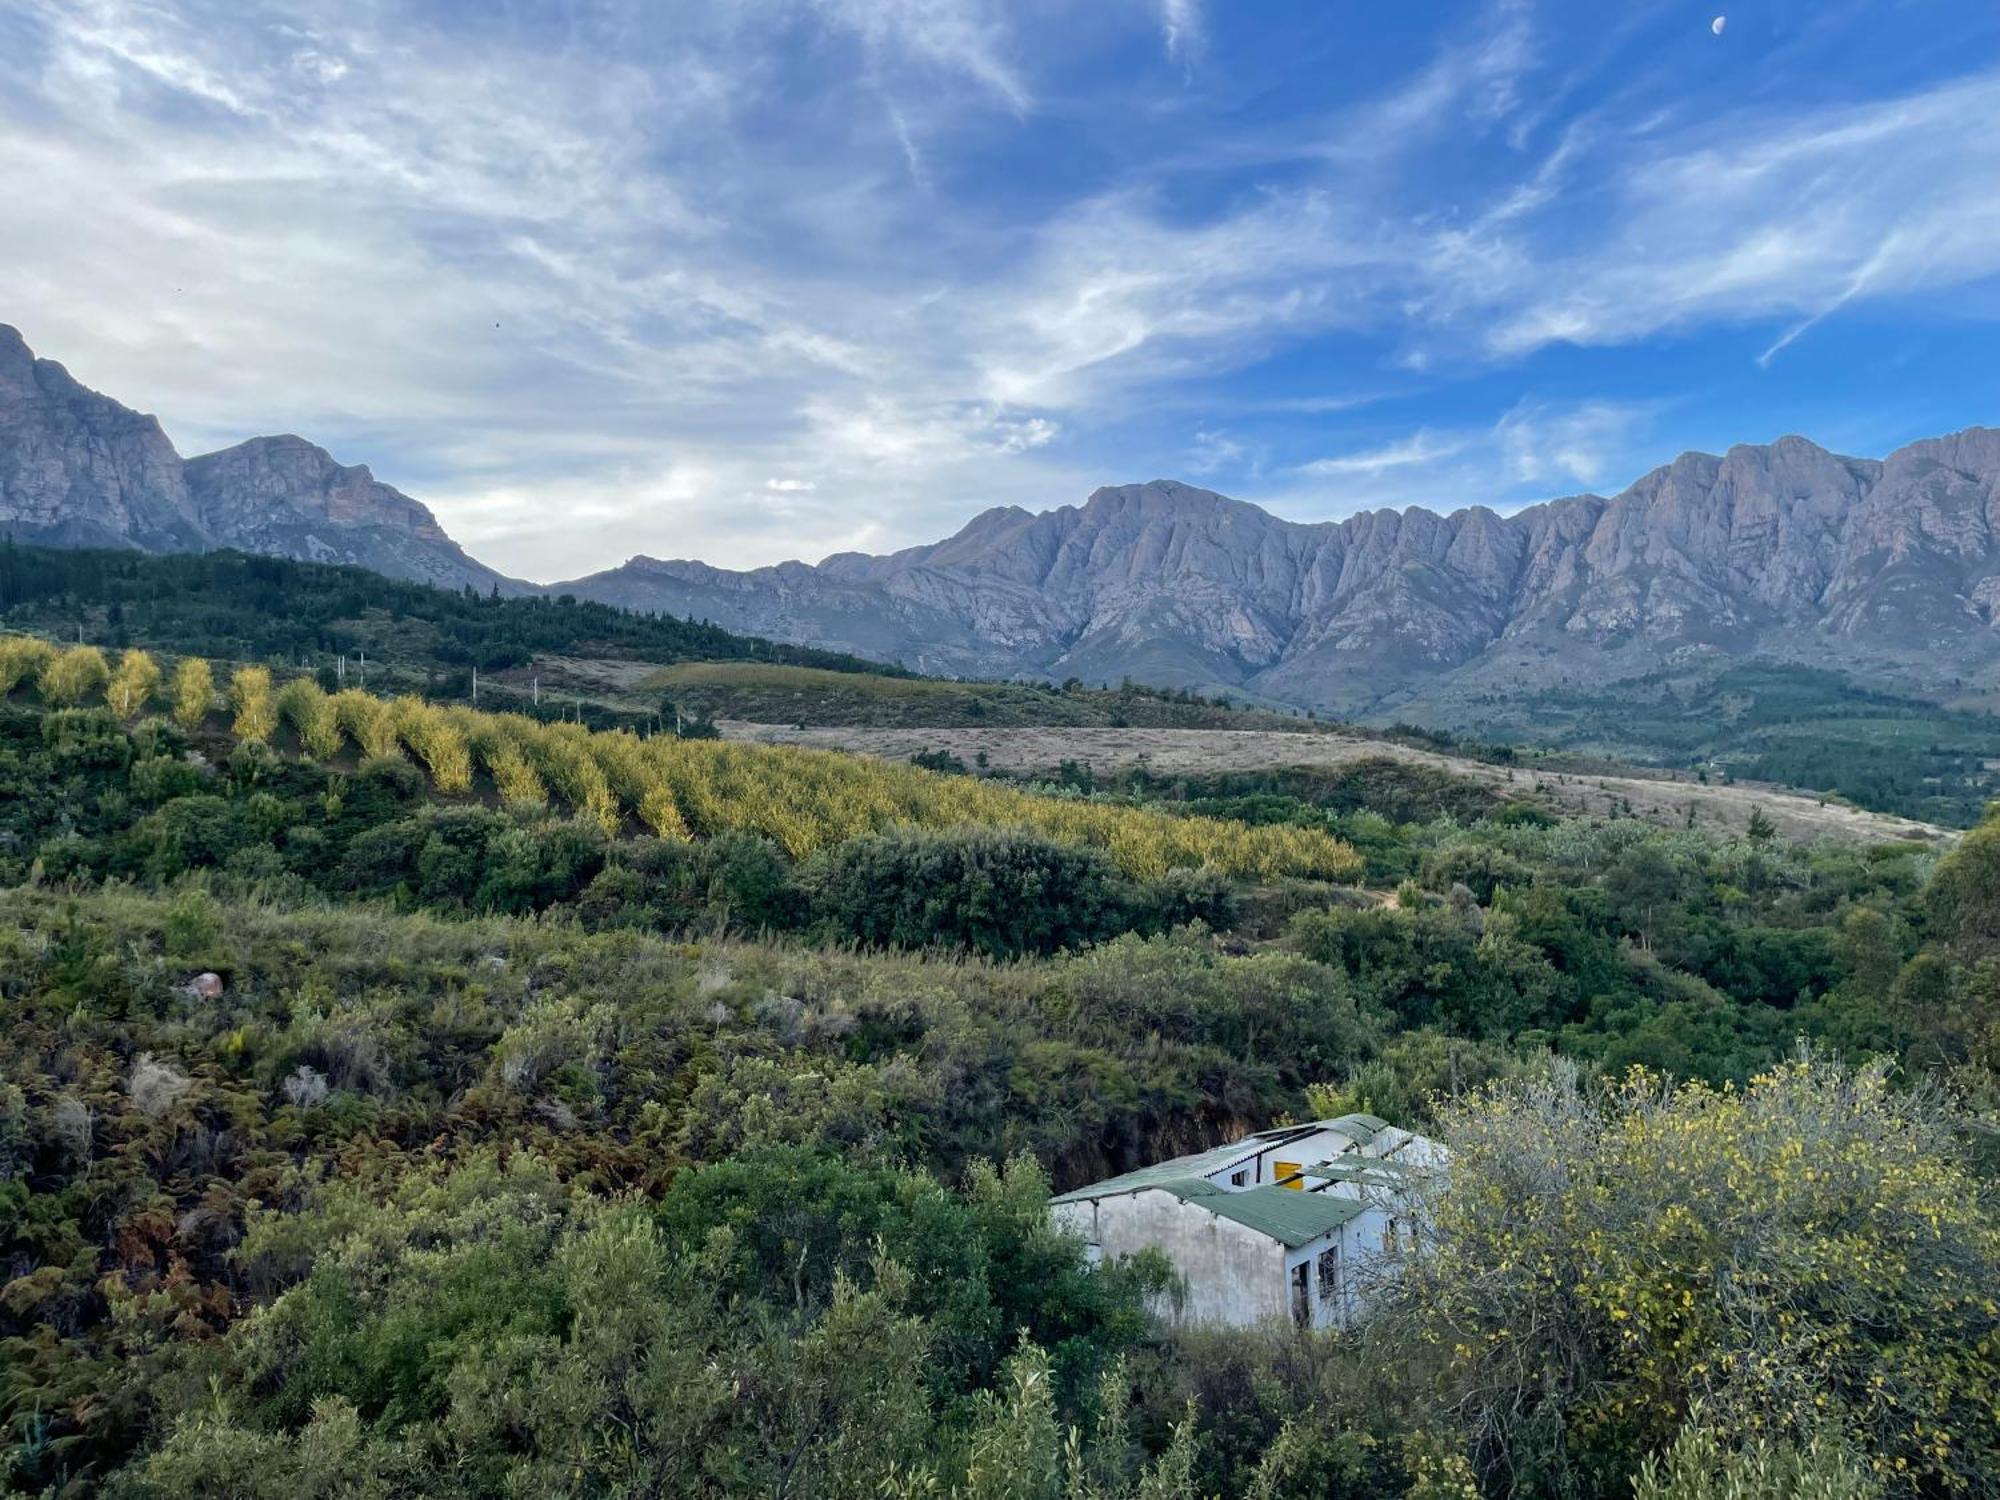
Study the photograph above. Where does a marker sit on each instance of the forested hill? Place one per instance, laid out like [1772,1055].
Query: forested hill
[241,607]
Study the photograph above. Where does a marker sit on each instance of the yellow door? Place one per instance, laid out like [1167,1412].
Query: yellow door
[1286,1174]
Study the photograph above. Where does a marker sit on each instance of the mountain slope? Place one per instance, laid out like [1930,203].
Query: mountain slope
[1785,550]
[1888,570]
[79,469]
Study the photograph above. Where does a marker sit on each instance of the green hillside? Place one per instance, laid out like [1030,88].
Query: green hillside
[770,693]
[1766,721]
[234,606]
[362,1138]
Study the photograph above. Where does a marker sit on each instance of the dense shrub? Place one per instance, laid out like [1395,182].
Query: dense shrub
[1001,892]
[1810,1249]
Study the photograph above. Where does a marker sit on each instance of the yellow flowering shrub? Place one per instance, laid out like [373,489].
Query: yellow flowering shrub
[304,704]
[436,741]
[366,720]
[500,756]
[1809,1249]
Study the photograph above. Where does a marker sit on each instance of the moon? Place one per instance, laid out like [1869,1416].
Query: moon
[1717,24]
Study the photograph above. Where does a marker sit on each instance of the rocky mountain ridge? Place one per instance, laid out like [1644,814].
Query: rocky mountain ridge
[78,469]
[1887,569]
[1784,549]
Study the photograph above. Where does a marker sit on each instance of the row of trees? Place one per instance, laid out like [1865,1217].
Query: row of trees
[804,800]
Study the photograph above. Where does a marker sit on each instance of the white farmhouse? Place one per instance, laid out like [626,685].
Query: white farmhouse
[1294,1223]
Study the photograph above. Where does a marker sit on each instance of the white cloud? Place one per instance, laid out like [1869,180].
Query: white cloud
[1020,434]
[1762,216]
[1214,452]
[1534,449]
[1181,29]
[1420,448]
[1589,443]
[623,284]
[956,36]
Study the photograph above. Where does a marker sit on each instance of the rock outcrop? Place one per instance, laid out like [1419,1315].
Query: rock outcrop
[77,469]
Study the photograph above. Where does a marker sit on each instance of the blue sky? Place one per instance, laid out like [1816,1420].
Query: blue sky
[756,279]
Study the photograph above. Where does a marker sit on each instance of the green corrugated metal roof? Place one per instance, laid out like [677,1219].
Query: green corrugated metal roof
[1285,1214]
[1360,1129]
[1362,1169]
[1191,1187]
[1161,1173]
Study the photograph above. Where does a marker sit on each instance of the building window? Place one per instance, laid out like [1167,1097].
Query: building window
[1301,1296]
[1239,1179]
[1329,1277]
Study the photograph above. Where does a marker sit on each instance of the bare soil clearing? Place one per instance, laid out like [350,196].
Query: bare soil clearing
[1658,796]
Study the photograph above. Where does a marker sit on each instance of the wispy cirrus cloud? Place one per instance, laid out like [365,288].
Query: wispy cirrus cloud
[830,273]
[1181,28]
[1421,449]
[1757,216]
[1531,451]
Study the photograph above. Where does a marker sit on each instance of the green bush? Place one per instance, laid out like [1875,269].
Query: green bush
[1000,892]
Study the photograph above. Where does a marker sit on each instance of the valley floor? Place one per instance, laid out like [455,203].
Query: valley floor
[1659,797]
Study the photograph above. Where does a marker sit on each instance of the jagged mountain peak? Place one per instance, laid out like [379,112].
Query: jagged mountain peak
[79,469]
[15,355]
[1782,546]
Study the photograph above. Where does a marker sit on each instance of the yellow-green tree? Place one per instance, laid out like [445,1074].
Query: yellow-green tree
[71,676]
[22,658]
[498,751]
[436,741]
[366,720]
[193,692]
[256,706]
[639,782]
[1809,1251]
[133,684]
[303,704]
[562,753]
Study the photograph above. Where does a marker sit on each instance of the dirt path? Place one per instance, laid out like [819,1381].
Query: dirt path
[1661,797]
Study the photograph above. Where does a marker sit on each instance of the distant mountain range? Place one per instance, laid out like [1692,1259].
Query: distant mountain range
[1888,570]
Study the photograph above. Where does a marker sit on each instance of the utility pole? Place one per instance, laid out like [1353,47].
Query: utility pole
[538,692]
[475,687]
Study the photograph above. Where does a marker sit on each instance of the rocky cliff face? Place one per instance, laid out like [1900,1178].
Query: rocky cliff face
[283,495]
[1887,568]
[77,469]
[1785,549]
